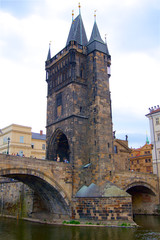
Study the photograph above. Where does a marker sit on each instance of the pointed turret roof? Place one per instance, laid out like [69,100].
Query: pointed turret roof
[96,42]
[49,53]
[77,32]
[95,36]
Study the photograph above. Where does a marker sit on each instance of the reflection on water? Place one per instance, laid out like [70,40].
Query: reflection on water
[10,229]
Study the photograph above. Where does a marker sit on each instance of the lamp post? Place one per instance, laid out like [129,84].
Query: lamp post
[8,139]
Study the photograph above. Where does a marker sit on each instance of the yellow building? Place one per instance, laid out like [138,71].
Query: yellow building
[141,159]
[19,140]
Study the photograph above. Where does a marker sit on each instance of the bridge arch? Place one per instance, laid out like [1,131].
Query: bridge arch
[143,197]
[142,185]
[52,195]
[58,147]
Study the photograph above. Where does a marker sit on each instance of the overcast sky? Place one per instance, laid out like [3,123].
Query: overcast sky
[133,37]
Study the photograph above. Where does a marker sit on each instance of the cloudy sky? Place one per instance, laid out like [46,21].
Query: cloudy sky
[133,37]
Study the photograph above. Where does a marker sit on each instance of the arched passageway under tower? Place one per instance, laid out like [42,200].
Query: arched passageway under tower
[144,199]
[58,148]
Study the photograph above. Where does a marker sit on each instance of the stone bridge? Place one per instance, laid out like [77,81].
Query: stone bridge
[144,188]
[51,180]
[54,183]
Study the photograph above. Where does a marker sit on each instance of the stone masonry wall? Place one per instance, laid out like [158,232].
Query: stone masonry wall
[103,209]
[16,199]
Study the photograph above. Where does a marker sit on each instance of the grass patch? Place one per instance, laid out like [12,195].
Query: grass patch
[125,224]
[71,222]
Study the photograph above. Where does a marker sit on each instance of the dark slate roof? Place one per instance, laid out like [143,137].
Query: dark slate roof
[96,42]
[106,190]
[91,191]
[77,32]
[38,136]
[95,36]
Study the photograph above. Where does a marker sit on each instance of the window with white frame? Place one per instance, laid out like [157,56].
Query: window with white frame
[4,140]
[21,139]
[158,137]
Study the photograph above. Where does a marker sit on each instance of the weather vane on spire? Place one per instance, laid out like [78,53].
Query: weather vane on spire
[72,15]
[79,5]
[95,15]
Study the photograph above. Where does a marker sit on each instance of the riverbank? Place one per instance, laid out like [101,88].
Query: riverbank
[82,223]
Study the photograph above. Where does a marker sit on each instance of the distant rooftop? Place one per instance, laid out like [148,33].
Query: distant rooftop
[39,136]
[154,109]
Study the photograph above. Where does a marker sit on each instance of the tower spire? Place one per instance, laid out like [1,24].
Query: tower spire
[96,41]
[49,52]
[147,141]
[77,32]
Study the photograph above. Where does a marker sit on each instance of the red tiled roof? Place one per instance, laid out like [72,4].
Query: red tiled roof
[154,111]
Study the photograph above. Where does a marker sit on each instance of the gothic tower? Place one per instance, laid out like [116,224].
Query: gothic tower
[79,119]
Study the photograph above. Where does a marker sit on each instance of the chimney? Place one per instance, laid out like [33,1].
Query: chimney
[41,132]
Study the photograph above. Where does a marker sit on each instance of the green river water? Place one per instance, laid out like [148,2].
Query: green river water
[11,229]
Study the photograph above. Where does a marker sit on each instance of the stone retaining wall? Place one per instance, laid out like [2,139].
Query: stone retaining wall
[103,209]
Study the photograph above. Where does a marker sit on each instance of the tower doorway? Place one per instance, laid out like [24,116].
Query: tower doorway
[59,148]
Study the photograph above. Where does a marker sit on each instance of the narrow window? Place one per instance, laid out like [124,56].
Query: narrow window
[115,149]
[59,105]
[81,73]
[158,137]
[21,139]
[157,121]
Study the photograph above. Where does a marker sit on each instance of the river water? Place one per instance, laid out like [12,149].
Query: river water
[11,229]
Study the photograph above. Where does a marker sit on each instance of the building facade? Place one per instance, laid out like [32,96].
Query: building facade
[154,123]
[141,159]
[79,117]
[121,154]
[19,140]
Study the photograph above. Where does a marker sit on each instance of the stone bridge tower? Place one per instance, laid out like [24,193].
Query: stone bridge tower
[79,118]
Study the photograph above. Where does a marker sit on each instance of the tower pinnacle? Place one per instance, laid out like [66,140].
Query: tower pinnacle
[49,52]
[95,15]
[72,15]
[79,6]
[147,140]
